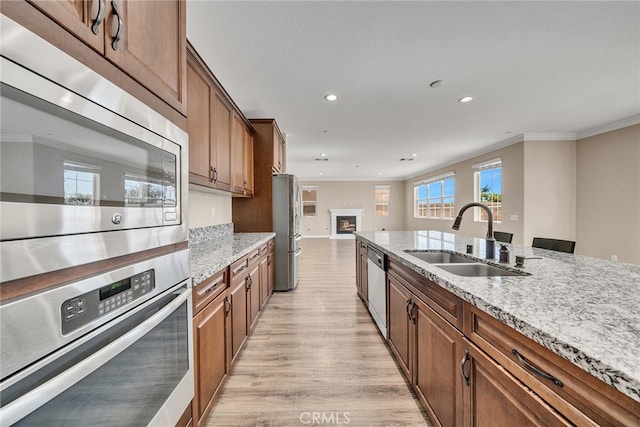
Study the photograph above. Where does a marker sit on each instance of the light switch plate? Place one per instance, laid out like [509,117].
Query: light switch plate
[514,217]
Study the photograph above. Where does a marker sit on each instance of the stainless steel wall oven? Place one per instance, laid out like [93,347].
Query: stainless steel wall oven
[87,171]
[115,349]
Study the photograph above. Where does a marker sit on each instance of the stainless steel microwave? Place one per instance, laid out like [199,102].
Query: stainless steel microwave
[87,171]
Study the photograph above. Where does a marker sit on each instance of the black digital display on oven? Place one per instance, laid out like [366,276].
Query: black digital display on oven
[115,288]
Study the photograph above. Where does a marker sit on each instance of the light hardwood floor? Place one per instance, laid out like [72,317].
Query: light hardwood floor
[316,353]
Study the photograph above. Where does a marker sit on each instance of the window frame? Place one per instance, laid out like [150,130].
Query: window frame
[382,203]
[309,203]
[496,207]
[439,200]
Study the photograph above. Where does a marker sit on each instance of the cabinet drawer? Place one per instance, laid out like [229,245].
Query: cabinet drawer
[439,299]
[253,257]
[239,268]
[264,250]
[207,290]
[581,397]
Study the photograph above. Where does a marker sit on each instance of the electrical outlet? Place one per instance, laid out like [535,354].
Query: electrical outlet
[514,217]
[614,258]
[213,212]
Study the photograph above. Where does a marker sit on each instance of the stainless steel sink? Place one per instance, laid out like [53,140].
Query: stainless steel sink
[438,257]
[477,270]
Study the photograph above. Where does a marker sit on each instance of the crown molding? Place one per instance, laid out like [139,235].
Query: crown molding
[630,121]
[556,136]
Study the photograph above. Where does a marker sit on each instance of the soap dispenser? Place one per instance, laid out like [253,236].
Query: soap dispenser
[504,254]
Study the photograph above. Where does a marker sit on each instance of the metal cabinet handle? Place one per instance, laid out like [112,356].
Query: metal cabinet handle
[406,308]
[239,269]
[412,312]
[118,33]
[463,362]
[102,10]
[211,174]
[249,281]
[215,175]
[227,309]
[528,366]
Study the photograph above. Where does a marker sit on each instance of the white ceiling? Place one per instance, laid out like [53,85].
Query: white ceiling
[532,67]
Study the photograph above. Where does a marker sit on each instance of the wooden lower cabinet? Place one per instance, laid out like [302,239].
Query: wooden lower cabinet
[238,298]
[362,283]
[211,338]
[399,326]
[271,266]
[253,296]
[494,397]
[264,275]
[436,373]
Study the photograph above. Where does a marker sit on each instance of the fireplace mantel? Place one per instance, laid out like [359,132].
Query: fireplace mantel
[335,213]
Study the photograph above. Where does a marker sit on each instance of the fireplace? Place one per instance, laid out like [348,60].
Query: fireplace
[345,224]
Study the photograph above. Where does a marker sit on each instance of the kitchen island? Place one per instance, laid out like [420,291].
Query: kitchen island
[582,309]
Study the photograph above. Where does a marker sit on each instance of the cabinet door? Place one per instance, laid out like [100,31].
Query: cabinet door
[436,374]
[248,162]
[278,152]
[221,142]
[264,278]
[211,340]
[238,297]
[399,323]
[147,40]
[253,296]
[364,277]
[358,269]
[494,398]
[78,17]
[272,266]
[237,155]
[200,125]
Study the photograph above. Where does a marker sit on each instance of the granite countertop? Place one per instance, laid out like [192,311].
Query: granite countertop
[211,253]
[584,309]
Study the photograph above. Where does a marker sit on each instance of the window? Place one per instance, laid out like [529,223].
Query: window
[488,188]
[382,194]
[435,197]
[81,184]
[141,191]
[309,200]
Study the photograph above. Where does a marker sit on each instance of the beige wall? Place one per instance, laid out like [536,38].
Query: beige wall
[353,195]
[549,190]
[200,206]
[608,195]
[512,195]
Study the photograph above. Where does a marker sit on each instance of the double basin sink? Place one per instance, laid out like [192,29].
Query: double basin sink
[462,265]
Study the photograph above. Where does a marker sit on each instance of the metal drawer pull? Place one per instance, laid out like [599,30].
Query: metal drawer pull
[120,29]
[535,370]
[242,268]
[463,362]
[227,304]
[99,17]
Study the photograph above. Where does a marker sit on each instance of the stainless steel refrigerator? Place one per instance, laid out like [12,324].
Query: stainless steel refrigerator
[287,214]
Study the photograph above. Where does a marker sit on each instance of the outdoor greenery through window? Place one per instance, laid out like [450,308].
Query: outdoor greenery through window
[435,197]
[382,195]
[309,200]
[488,179]
[81,184]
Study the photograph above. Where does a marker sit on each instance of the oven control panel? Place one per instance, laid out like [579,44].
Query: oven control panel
[79,311]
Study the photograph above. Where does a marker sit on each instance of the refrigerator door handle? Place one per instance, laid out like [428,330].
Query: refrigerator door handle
[298,252]
[297,237]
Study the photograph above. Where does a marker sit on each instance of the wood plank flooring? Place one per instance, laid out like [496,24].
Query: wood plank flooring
[317,353]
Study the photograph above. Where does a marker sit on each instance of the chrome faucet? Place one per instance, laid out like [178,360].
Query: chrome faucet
[490,250]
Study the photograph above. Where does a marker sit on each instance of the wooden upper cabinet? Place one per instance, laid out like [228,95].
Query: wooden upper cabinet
[237,156]
[221,150]
[138,45]
[248,162]
[79,17]
[147,39]
[209,124]
[278,151]
[199,123]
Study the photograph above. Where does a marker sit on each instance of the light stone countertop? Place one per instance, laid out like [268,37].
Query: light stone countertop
[212,255]
[584,309]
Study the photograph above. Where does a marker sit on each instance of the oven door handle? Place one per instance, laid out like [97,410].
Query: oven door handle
[32,400]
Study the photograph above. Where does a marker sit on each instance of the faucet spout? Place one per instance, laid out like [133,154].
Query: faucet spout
[490,241]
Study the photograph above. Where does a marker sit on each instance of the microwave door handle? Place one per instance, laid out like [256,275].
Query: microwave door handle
[42,394]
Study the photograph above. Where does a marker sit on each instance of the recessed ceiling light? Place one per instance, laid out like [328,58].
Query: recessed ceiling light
[414,155]
[357,166]
[331,97]
[325,131]
[319,173]
[465,99]
[435,83]
[379,173]
[323,155]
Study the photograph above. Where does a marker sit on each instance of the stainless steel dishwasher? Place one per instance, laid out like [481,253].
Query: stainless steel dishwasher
[377,281]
